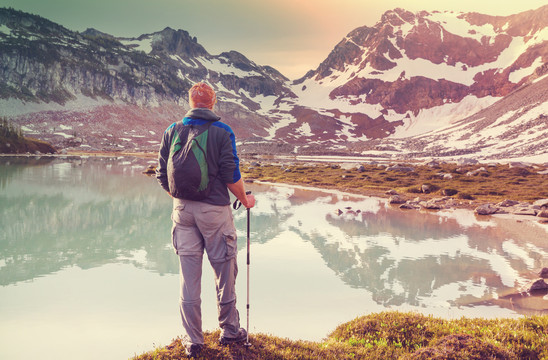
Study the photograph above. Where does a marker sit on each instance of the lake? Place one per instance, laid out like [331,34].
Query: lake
[87,270]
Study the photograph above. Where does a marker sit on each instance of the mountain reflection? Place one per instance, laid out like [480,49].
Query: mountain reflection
[57,213]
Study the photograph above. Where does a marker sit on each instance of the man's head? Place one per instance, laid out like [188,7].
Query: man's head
[201,95]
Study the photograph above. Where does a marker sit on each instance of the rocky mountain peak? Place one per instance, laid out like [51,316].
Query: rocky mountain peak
[175,42]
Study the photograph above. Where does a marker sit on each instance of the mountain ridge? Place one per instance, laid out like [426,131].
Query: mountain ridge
[378,83]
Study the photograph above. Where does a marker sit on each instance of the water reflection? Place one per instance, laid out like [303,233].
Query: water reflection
[58,213]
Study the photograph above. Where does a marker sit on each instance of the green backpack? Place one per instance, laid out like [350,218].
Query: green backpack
[187,169]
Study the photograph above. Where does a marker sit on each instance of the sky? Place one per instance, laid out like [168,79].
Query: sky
[293,36]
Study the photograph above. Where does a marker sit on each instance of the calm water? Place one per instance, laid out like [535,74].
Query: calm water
[87,270]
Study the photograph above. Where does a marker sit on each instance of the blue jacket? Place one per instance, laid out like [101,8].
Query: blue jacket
[223,161]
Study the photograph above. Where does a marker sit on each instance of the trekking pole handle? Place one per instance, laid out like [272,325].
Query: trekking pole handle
[237,203]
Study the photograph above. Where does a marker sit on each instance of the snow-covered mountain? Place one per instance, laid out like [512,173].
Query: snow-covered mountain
[412,85]
[415,73]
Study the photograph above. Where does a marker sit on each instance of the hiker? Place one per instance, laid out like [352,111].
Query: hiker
[202,217]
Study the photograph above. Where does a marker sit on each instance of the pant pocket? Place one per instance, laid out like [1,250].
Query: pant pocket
[186,240]
[231,245]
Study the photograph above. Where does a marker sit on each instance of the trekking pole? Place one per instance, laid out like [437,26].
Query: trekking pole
[236,206]
[247,343]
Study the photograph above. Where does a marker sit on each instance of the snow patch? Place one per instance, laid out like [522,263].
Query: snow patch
[4,29]
[66,136]
[225,68]
[304,130]
[516,75]
[439,117]
[460,27]
[144,45]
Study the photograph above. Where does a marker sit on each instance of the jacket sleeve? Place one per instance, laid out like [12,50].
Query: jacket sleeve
[229,165]
[163,156]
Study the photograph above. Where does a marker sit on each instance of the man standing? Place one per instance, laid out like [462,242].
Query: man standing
[204,221]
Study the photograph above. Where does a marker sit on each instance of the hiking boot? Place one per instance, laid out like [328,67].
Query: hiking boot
[193,350]
[242,335]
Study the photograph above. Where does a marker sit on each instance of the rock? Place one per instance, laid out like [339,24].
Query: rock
[541,203]
[400,168]
[544,273]
[538,286]
[396,199]
[525,211]
[543,213]
[475,172]
[486,209]
[361,168]
[517,164]
[507,203]
[150,170]
[426,189]
[430,205]
[432,163]
[254,163]
[407,206]
[545,172]
[449,192]
[467,162]
[391,192]
[447,176]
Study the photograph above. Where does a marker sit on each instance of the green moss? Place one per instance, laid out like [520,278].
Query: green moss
[391,335]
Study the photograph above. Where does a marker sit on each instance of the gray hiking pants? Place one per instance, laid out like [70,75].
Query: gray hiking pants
[198,226]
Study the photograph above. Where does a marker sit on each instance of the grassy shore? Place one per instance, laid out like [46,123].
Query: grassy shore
[390,335]
[469,185]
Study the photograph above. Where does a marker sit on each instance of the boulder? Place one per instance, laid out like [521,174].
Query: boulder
[426,188]
[525,211]
[544,273]
[396,199]
[449,192]
[430,205]
[360,168]
[391,192]
[538,286]
[507,203]
[486,209]
[475,172]
[543,213]
[541,203]
[407,206]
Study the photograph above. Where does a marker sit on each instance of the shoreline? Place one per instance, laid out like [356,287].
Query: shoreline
[281,170]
